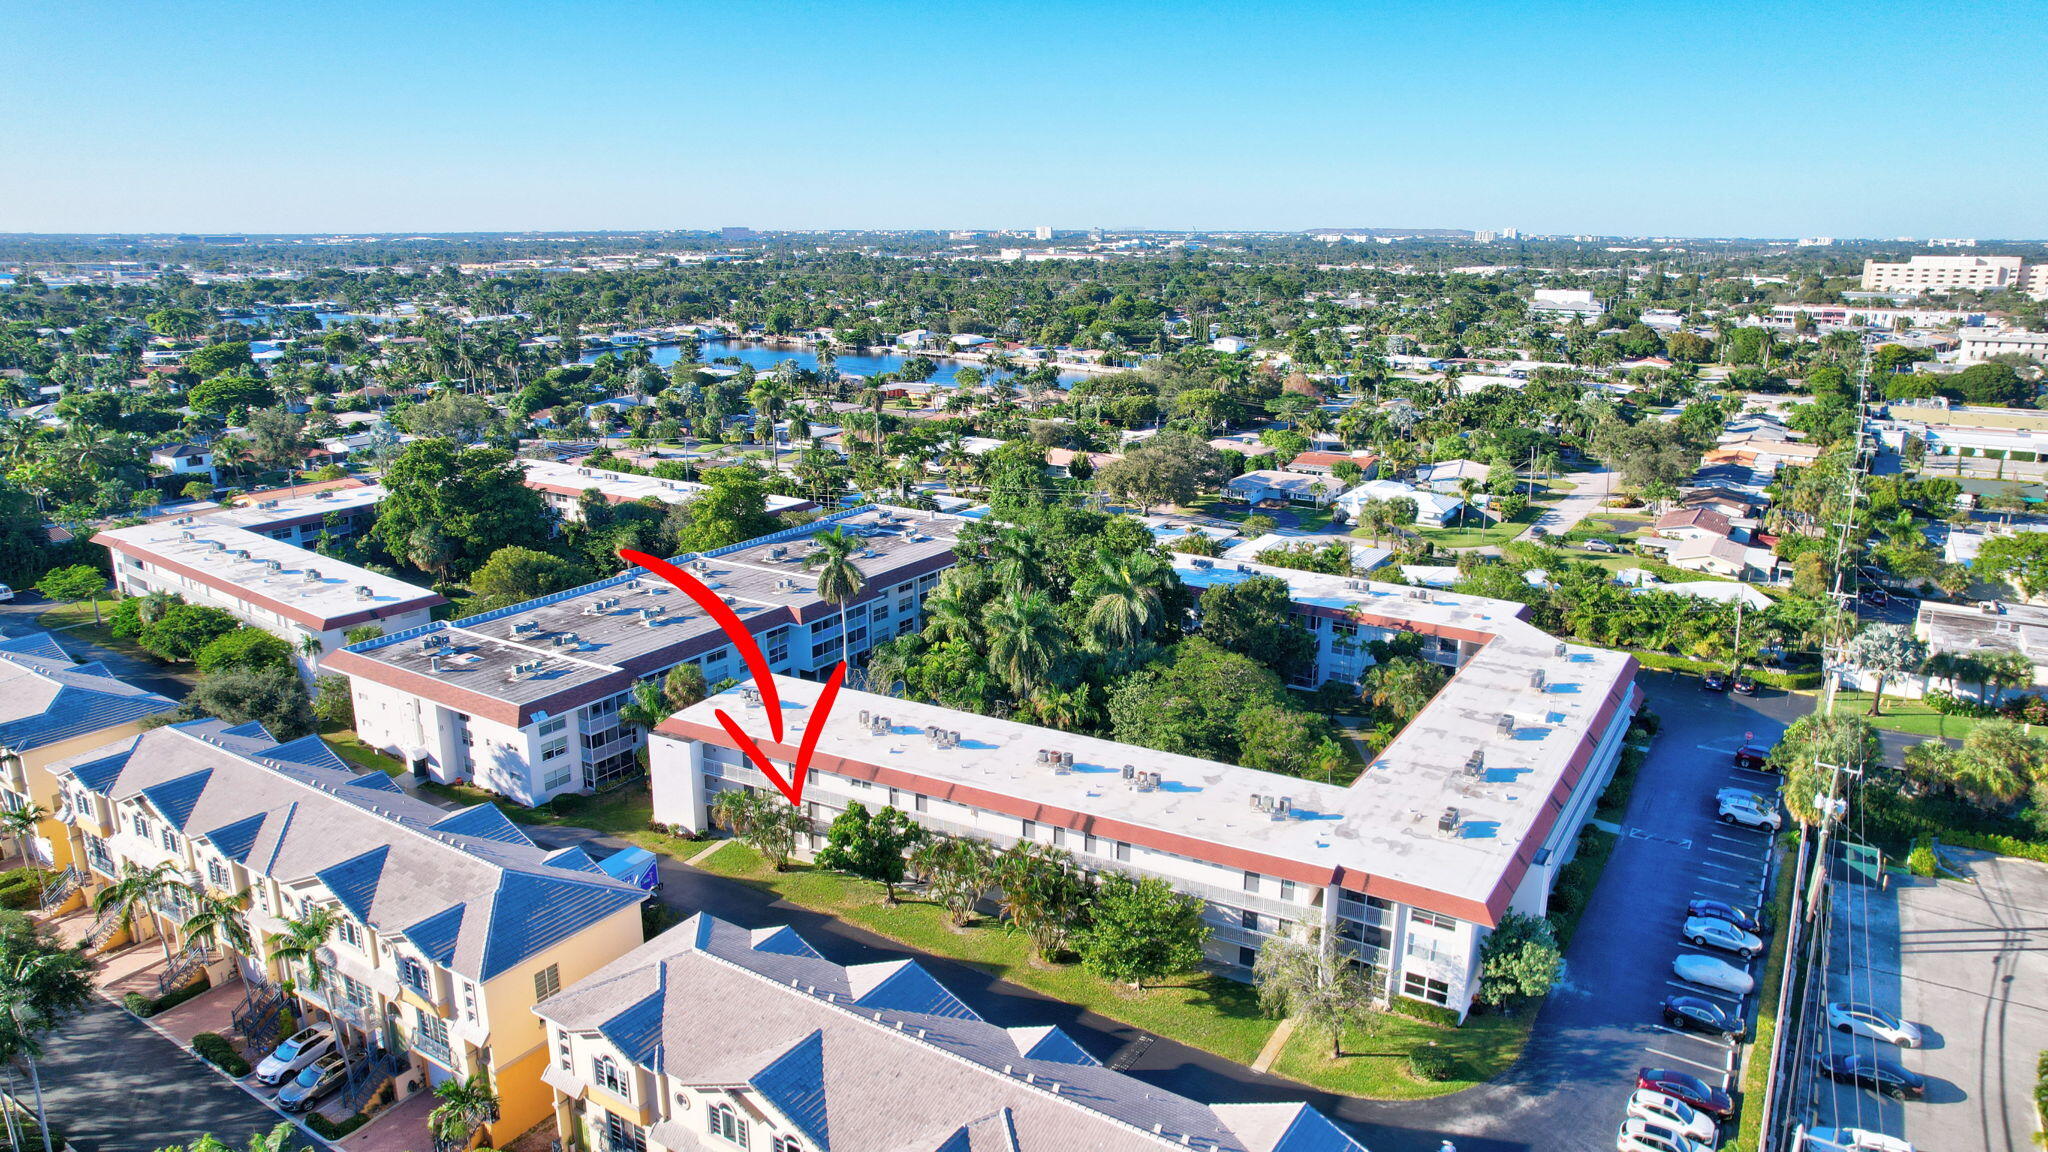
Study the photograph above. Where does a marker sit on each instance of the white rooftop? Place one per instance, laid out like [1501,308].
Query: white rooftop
[266,511]
[1381,833]
[622,487]
[304,586]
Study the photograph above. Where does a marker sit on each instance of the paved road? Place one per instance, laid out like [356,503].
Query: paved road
[114,1085]
[19,615]
[1588,490]
[1565,1093]
[1964,959]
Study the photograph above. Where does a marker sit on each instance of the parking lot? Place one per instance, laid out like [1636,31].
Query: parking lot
[1961,959]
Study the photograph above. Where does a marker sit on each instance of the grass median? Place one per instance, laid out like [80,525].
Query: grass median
[1756,1059]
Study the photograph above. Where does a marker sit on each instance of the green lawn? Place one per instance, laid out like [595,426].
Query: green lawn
[1756,1057]
[1908,716]
[1209,1012]
[626,812]
[1375,1064]
[350,747]
[1479,532]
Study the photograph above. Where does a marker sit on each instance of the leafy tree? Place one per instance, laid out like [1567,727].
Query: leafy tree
[1026,641]
[175,323]
[42,984]
[333,704]
[1141,929]
[363,632]
[450,415]
[472,500]
[1520,957]
[282,1138]
[185,629]
[224,394]
[2020,560]
[219,921]
[517,573]
[215,359]
[273,696]
[1400,687]
[870,846]
[1171,467]
[1125,598]
[1192,703]
[73,584]
[20,824]
[1886,651]
[1297,976]
[1044,893]
[1254,618]
[277,439]
[301,943]
[1276,738]
[956,870]
[244,649]
[733,507]
[1997,763]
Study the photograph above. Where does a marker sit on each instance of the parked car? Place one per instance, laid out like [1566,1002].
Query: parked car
[1852,1140]
[314,1081]
[1715,681]
[1745,684]
[6,593]
[1875,597]
[1754,758]
[1639,1135]
[1689,1088]
[1748,810]
[1596,544]
[1886,1077]
[1673,1113]
[1710,932]
[1702,1015]
[1712,972]
[1876,1023]
[300,1049]
[1722,910]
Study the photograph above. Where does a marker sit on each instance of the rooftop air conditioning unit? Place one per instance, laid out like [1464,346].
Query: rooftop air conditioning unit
[1044,755]
[274,565]
[312,575]
[866,716]
[1258,802]
[1476,762]
[1560,649]
[1506,723]
[1204,562]
[1129,771]
[777,552]
[1284,806]
[1448,822]
[185,535]
[1062,765]
[433,663]
[363,592]
[1419,594]
[1536,679]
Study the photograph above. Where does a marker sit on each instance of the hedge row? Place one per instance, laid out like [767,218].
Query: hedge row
[1787,681]
[22,888]
[329,1130]
[218,1051]
[142,1005]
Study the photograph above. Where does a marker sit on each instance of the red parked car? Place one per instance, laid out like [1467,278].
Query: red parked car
[1689,1088]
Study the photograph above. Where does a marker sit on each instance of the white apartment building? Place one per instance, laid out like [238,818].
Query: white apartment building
[286,590]
[1566,302]
[1977,347]
[524,701]
[1950,273]
[1470,812]
[299,515]
[563,485]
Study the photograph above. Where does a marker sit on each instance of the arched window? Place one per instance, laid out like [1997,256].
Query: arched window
[726,1123]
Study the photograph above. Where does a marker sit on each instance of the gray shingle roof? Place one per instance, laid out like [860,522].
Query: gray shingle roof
[477,903]
[881,1058]
[46,699]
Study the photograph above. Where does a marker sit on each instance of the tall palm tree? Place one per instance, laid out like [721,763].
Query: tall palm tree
[466,1106]
[217,921]
[300,943]
[646,707]
[40,985]
[839,578]
[143,889]
[1026,641]
[1129,598]
[19,825]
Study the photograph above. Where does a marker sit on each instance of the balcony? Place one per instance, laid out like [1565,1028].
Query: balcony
[433,1049]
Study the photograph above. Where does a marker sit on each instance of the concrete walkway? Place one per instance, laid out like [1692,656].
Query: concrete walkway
[1588,490]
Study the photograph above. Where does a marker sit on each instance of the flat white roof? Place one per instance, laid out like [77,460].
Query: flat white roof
[304,586]
[269,511]
[1380,834]
[622,487]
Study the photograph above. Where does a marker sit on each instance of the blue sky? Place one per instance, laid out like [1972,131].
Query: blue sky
[1863,119]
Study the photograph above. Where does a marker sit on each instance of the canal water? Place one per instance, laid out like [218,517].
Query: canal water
[764,358]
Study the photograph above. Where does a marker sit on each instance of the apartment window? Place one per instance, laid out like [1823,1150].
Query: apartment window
[917,803]
[1030,829]
[622,1135]
[727,1124]
[788,1144]
[554,748]
[1430,919]
[349,933]
[469,1001]
[355,992]
[141,826]
[1287,889]
[216,874]
[1423,988]
[169,839]
[1059,836]
[413,974]
[605,1074]
[1251,881]
[547,982]
[553,725]
[1123,851]
[431,1026]
[1246,957]
[1249,920]
[1379,902]
[559,778]
[1088,844]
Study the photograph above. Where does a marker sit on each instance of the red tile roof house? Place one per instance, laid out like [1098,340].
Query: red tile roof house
[1693,523]
[1324,463]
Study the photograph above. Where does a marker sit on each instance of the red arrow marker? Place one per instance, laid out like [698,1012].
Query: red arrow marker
[736,631]
[793,790]
[728,620]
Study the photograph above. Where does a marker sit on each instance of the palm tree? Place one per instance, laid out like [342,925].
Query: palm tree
[40,984]
[19,825]
[1026,640]
[1129,598]
[839,578]
[646,707]
[956,870]
[466,1106]
[301,942]
[737,809]
[145,889]
[216,921]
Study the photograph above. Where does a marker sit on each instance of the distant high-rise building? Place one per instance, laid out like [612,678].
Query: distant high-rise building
[1952,242]
[1511,233]
[1485,236]
[1950,273]
[738,234]
[1044,232]
[1816,241]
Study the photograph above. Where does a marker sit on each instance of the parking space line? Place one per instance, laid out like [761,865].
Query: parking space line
[1749,856]
[1749,888]
[1725,867]
[1687,1060]
[1709,1041]
[1703,990]
[1734,839]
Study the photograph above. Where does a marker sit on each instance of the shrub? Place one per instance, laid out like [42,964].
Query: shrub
[2041,1084]
[1426,1012]
[1429,1065]
[1920,861]
[1949,704]
[139,1004]
[655,918]
[216,1050]
[329,1130]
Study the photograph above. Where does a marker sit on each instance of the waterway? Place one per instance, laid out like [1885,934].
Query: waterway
[764,358]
